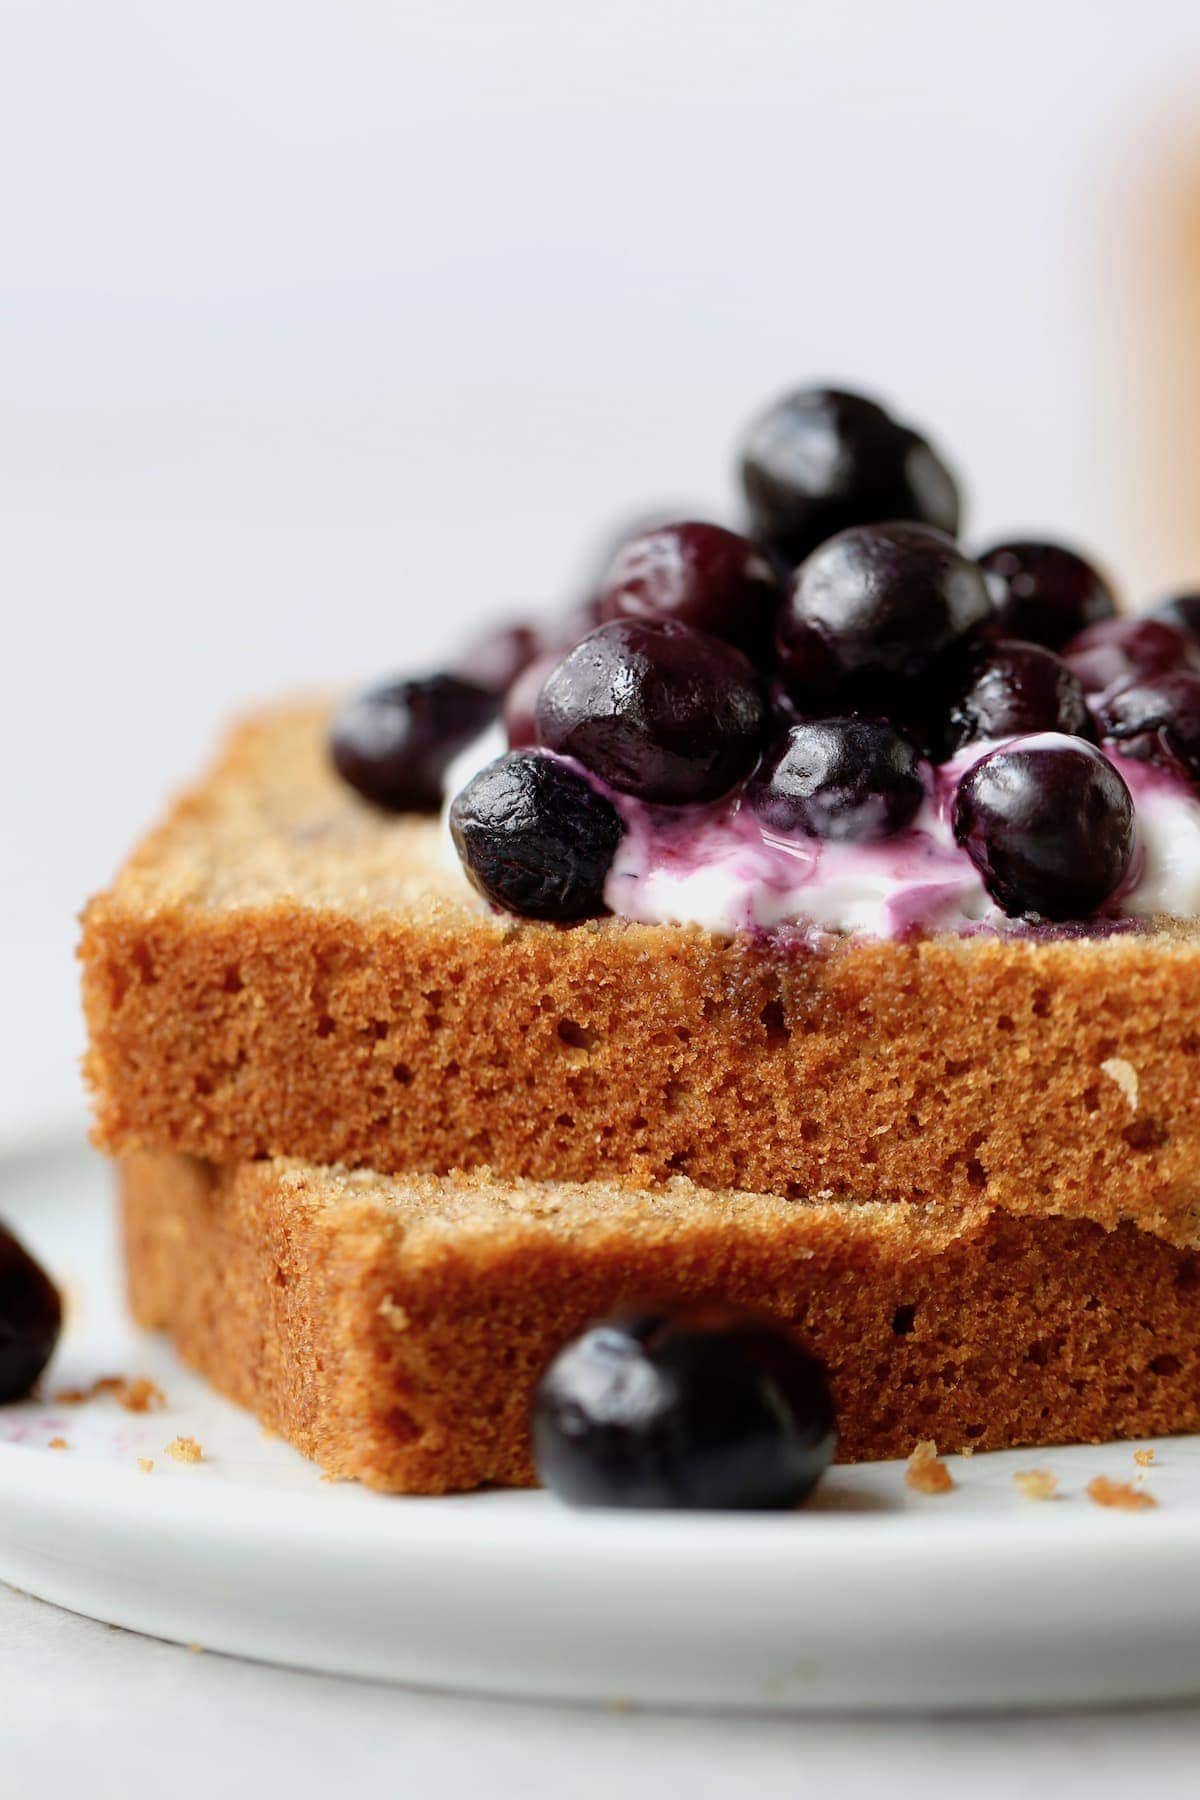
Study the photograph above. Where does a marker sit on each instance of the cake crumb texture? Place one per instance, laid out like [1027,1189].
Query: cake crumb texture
[1122,1495]
[1036,1484]
[280,969]
[973,1326]
[926,1472]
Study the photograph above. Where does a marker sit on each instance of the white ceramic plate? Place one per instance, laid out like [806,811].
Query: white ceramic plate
[875,1597]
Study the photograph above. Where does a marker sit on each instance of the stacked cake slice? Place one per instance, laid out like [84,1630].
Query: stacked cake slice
[382,1150]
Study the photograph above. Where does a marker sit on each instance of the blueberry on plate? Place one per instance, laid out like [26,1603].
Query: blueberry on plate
[1124,650]
[495,658]
[1182,611]
[703,1409]
[1157,721]
[821,460]
[703,576]
[1048,822]
[656,710]
[857,780]
[880,602]
[1044,592]
[1013,688]
[30,1319]
[535,837]
[393,744]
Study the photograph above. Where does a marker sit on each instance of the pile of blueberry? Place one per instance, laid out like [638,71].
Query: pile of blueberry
[811,669]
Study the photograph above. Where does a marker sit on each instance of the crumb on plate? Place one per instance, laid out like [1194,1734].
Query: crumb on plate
[1036,1484]
[926,1472]
[184,1450]
[59,1443]
[137,1393]
[1143,1458]
[1119,1494]
[145,1464]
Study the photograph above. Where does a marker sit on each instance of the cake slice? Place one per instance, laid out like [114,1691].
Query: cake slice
[394,1328]
[281,969]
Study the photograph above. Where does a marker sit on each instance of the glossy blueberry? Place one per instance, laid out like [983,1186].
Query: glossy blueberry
[535,837]
[1045,593]
[656,710]
[1157,720]
[705,1409]
[495,658]
[1182,611]
[1013,688]
[30,1319]
[857,780]
[1125,650]
[519,713]
[878,605]
[821,460]
[703,576]
[1048,822]
[393,744]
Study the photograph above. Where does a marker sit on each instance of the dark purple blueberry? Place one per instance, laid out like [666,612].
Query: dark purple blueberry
[520,705]
[535,837]
[820,460]
[1182,611]
[1015,688]
[1044,592]
[1156,721]
[1125,650]
[703,576]
[496,657]
[1048,822]
[876,606]
[393,744]
[30,1319]
[706,1409]
[656,710]
[851,779]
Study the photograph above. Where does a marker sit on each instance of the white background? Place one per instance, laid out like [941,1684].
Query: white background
[325,329]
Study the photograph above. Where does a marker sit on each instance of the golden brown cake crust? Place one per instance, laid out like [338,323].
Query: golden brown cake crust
[394,1329]
[281,970]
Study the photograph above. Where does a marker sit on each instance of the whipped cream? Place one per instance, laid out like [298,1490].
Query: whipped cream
[721,868]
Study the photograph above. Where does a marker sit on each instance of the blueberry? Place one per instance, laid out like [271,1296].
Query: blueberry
[1182,611]
[1124,650]
[393,744]
[877,605]
[535,837]
[1048,822]
[1157,720]
[495,658]
[520,705]
[820,460]
[707,1409]
[30,1319]
[656,710]
[851,779]
[1044,592]
[1014,688]
[701,575]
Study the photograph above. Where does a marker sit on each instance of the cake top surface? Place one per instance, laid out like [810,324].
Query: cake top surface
[271,825]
